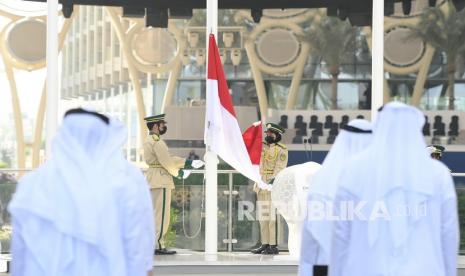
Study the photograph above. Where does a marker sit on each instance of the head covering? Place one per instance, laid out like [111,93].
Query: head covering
[79,110]
[155,118]
[354,138]
[72,197]
[395,170]
[436,149]
[274,128]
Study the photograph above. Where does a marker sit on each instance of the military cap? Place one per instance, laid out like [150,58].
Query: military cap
[436,149]
[155,118]
[275,128]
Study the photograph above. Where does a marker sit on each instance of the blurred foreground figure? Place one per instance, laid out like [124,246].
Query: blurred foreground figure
[404,216]
[87,211]
[316,233]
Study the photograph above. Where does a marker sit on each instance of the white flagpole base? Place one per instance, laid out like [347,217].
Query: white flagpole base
[211,203]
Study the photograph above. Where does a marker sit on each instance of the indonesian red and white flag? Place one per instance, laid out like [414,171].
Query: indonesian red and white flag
[222,131]
[253,137]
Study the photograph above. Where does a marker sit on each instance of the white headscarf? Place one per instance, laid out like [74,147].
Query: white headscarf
[76,192]
[348,143]
[393,170]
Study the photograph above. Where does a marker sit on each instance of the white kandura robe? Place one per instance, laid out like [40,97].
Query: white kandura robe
[316,233]
[417,232]
[85,212]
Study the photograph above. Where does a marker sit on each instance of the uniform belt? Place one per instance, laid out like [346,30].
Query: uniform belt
[155,166]
[268,171]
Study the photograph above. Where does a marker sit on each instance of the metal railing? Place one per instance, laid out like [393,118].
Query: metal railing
[230,240]
[195,171]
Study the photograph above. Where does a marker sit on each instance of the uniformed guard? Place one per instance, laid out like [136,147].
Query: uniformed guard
[162,168]
[273,160]
[436,151]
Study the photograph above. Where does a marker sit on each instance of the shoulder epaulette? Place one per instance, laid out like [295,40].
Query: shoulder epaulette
[281,145]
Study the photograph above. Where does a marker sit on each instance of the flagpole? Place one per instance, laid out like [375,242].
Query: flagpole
[52,75]
[211,159]
[377,58]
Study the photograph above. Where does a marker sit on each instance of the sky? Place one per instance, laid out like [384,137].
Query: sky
[29,86]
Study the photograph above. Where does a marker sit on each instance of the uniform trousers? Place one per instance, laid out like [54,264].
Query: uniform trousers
[267,218]
[161,198]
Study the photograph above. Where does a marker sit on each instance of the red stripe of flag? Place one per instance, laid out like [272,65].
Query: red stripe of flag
[253,142]
[215,72]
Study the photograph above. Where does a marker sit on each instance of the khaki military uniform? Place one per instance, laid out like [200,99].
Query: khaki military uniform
[162,168]
[273,160]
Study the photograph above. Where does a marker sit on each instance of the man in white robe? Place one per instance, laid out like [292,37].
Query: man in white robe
[404,220]
[85,212]
[316,233]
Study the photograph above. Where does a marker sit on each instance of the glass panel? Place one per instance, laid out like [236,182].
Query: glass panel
[188,224]
[460,188]
[189,93]
[277,92]
[187,228]
[245,229]
[243,93]
[8,180]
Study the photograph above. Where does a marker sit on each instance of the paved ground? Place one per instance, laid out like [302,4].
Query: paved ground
[232,264]
[459,274]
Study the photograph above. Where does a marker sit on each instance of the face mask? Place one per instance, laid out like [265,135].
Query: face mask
[163,130]
[269,139]
[436,156]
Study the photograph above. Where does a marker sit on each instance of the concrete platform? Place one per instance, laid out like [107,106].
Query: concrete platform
[230,264]
[190,262]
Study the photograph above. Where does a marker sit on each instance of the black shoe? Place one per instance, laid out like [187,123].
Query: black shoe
[271,250]
[259,250]
[164,251]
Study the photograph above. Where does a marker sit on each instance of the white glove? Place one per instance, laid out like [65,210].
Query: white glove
[255,188]
[197,164]
[186,174]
